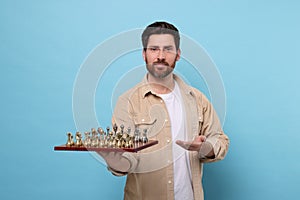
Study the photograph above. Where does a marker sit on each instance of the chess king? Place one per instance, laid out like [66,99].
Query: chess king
[179,116]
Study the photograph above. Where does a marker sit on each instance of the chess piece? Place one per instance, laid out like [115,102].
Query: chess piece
[100,131]
[122,129]
[115,128]
[94,139]
[128,130]
[136,135]
[94,133]
[70,141]
[119,143]
[127,142]
[144,137]
[78,139]
[101,138]
[114,142]
[87,141]
[130,142]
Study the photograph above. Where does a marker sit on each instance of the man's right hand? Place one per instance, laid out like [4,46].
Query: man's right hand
[116,161]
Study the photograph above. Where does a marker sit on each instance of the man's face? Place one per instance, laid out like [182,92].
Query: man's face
[161,55]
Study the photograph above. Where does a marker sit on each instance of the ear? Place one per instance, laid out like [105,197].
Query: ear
[144,55]
[178,54]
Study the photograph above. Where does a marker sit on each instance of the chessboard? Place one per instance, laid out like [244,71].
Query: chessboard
[136,147]
[109,140]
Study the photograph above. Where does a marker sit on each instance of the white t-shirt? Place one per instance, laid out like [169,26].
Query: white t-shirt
[182,173]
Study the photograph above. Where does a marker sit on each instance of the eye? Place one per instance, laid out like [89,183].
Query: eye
[169,49]
[153,49]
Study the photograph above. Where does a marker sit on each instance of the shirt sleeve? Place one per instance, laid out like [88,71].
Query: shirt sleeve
[216,139]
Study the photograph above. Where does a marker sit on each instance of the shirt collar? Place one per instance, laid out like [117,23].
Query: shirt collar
[146,88]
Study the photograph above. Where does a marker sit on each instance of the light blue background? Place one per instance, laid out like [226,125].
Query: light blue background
[255,45]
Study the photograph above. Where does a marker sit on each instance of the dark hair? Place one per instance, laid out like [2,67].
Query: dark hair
[160,28]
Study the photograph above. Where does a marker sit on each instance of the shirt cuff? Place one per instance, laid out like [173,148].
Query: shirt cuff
[132,160]
[205,149]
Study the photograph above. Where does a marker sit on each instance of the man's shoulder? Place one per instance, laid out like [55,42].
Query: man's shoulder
[135,91]
[188,88]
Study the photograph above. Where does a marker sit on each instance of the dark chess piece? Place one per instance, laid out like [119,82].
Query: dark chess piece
[115,128]
[107,131]
[70,141]
[122,128]
[144,137]
[128,130]
[129,142]
[136,135]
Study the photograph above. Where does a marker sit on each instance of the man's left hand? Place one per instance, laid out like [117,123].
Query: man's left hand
[194,145]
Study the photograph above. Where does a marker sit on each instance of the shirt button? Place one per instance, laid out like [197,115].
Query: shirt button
[169,182]
[166,120]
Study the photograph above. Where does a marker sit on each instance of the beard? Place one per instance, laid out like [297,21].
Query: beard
[161,68]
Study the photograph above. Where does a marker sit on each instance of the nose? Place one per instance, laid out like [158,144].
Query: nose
[161,54]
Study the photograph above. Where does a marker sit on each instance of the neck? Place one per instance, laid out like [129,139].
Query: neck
[161,85]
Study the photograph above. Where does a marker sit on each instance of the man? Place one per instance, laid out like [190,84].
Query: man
[177,115]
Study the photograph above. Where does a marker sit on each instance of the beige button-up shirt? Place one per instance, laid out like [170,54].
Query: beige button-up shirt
[151,173]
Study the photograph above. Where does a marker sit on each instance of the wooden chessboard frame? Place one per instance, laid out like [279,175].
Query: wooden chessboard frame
[137,147]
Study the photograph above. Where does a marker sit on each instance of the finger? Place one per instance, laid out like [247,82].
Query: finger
[102,153]
[191,146]
[183,144]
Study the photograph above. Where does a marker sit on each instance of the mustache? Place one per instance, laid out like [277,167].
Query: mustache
[161,63]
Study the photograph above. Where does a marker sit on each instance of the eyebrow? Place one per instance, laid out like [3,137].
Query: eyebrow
[155,46]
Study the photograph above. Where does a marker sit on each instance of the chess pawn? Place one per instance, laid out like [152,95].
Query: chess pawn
[144,137]
[119,143]
[115,128]
[101,142]
[130,142]
[109,136]
[136,135]
[105,141]
[87,140]
[107,130]
[96,141]
[122,129]
[70,141]
[114,142]
[128,130]
[125,135]
[93,130]
[94,133]
[101,132]
[127,144]
[123,142]
[111,142]
[78,139]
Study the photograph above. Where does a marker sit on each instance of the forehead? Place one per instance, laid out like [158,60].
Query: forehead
[161,40]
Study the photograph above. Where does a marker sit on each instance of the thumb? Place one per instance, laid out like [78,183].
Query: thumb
[201,138]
